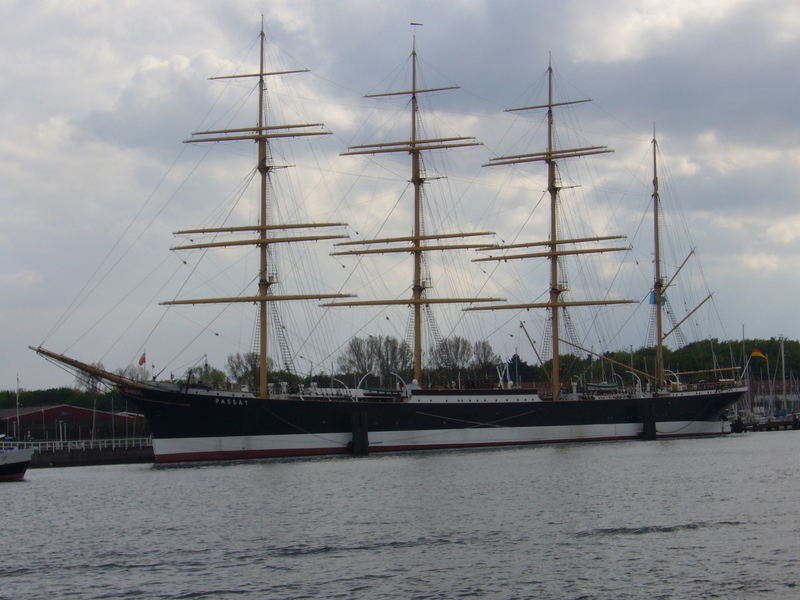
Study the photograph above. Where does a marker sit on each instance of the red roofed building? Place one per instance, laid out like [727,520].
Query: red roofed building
[64,422]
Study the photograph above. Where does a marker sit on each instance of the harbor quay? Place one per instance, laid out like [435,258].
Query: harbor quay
[790,422]
[87,452]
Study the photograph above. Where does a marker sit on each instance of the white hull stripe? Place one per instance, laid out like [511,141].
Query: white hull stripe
[212,448]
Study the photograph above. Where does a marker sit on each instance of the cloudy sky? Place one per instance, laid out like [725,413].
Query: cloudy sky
[97,97]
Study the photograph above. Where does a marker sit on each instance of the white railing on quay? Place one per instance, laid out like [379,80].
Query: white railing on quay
[78,445]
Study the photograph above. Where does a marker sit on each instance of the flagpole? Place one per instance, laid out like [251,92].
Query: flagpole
[143,362]
[756,352]
[18,427]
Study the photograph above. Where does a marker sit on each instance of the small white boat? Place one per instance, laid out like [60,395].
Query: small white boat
[14,462]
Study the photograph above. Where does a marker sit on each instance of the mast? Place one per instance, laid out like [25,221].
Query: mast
[783,373]
[552,189]
[661,284]
[555,245]
[416,180]
[417,244]
[658,284]
[265,231]
[263,281]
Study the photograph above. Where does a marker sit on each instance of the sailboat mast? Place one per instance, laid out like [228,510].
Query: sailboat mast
[263,281]
[263,239]
[658,284]
[556,247]
[555,290]
[417,243]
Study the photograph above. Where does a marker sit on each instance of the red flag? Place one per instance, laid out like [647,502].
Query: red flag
[143,360]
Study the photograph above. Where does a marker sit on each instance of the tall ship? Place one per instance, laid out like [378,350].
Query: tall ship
[190,421]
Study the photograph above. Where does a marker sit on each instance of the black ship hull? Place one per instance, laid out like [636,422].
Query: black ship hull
[208,425]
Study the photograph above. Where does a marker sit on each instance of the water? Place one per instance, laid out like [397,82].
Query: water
[706,518]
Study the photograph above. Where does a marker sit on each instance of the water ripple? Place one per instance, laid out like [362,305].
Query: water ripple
[610,531]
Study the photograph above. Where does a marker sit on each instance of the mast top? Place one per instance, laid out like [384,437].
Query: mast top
[414,41]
